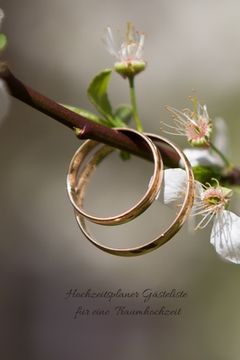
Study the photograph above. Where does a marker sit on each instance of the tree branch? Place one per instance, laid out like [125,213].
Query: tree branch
[88,129]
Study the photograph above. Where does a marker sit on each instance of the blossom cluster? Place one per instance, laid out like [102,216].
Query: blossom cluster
[211,200]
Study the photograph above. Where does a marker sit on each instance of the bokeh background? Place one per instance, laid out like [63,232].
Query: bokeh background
[55,46]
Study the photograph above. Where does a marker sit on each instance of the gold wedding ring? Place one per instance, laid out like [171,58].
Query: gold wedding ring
[163,237]
[78,179]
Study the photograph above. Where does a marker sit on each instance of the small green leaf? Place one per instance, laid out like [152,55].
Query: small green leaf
[87,114]
[124,113]
[3,41]
[125,155]
[97,92]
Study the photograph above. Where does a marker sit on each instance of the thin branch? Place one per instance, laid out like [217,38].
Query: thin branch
[88,129]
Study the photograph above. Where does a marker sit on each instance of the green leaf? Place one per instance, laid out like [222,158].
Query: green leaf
[97,92]
[206,174]
[123,113]
[87,114]
[125,155]
[3,41]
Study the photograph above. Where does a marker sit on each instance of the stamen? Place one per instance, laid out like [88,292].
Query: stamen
[196,125]
[200,226]
[212,201]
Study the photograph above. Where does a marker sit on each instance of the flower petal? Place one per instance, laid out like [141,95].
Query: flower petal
[174,186]
[201,157]
[225,236]
[205,112]
[110,42]
[139,52]
[129,48]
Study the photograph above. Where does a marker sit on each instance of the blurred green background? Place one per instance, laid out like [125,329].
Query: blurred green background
[55,46]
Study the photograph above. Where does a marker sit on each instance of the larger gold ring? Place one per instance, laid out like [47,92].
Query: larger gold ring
[171,230]
[77,179]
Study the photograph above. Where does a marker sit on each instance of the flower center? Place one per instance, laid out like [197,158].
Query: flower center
[199,130]
[215,199]
[212,201]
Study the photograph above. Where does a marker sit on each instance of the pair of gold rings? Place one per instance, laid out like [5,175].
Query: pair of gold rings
[82,167]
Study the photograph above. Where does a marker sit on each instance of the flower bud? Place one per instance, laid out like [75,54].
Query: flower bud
[129,68]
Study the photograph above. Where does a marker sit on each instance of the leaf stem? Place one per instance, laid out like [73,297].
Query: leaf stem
[222,156]
[134,104]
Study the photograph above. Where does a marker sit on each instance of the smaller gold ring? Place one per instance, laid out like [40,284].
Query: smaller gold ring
[171,230]
[77,180]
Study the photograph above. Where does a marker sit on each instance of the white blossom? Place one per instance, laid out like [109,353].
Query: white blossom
[128,51]
[225,236]
[210,204]
[195,125]
[206,156]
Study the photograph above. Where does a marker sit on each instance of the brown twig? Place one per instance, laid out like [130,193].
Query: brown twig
[88,129]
